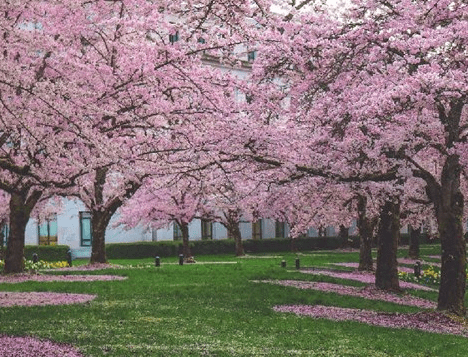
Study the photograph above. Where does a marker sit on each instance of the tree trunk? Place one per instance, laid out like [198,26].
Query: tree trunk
[414,236]
[449,210]
[386,275]
[366,231]
[235,233]
[20,209]
[99,222]
[188,258]
[344,235]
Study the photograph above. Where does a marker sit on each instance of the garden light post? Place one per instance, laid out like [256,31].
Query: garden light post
[298,264]
[69,258]
[157,261]
[35,258]
[283,264]
[417,269]
[181,259]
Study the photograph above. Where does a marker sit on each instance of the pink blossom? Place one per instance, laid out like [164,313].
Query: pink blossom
[369,292]
[29,346]
[42,298]
[426,321]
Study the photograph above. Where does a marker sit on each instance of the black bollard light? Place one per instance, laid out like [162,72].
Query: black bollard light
[181,259]
[298,264]
[283,264]
[157,261]
[69,258]
[35,258]
[417,269]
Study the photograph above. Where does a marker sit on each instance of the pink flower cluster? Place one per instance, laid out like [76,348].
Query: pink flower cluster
[362,276]
[42,298]
[28,346]
[369,292]
[21,278]
[425,321]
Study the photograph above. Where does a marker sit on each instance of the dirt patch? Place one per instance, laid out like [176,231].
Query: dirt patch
[426,321]
[29,346]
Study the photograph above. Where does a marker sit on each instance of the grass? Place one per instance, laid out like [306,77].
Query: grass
[216,310]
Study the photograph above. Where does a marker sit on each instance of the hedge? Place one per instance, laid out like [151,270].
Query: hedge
[223,246]
[48,253]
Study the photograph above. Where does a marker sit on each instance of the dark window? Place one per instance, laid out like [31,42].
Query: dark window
[4,231]
[177,231]
[174,37]
[86,232]
[280,229]
[251,55]
[257,229]
[206,229]
[47,232]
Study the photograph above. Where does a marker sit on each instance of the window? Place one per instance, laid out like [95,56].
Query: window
[47,232]
[251,55]
[86,232]
[177,231]
[206,229]
[4,231]
[173,38]
[257,229]
[280,229]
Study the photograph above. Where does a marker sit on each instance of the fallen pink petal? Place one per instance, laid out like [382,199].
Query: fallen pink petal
[29,346]
[425,321]
[42,298]
[356,265]
[369,292]
[21,278]
[361,276]
[413,261]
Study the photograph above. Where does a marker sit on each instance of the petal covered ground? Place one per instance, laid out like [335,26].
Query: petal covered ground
[42,298]
[369,292]
[21,278]
[362,276]
[425,321]
[28,346]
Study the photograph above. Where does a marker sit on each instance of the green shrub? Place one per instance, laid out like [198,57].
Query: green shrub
[223,246]
[49,253]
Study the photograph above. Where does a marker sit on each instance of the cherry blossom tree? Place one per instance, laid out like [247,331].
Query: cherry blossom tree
[387,79]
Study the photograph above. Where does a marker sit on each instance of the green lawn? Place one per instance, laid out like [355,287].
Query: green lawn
[216,310]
